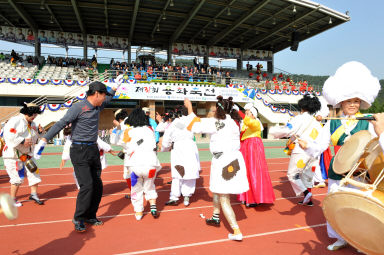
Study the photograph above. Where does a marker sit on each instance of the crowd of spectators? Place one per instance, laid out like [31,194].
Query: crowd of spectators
[21,60]
[183,72]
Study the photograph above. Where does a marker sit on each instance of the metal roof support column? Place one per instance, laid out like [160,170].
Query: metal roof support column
[206,58]
[85,47]
[239,62]
[129,53]
[37,44]
[270,65]
[169,53]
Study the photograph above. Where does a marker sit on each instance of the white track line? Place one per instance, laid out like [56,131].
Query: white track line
[222,240]
[131,214]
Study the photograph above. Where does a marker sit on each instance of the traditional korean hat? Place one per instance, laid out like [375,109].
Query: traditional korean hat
[352,79]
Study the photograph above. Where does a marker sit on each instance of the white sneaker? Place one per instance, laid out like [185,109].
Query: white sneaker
[307,198]
[17,203]
[339,244]
[238,237]
[186,201]
[138,216]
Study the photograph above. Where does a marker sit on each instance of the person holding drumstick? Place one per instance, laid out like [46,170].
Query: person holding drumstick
[378,124]
[351,88]
[20,136]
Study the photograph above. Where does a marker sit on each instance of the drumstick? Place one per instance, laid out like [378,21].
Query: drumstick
[346,118]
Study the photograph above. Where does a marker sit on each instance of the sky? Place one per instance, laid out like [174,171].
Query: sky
[360,39]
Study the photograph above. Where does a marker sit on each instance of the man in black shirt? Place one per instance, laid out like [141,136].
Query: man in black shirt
[84,152]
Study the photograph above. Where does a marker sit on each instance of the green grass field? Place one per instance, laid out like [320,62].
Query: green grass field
[53,161]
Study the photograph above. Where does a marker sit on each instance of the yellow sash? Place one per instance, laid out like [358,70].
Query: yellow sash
[341,129]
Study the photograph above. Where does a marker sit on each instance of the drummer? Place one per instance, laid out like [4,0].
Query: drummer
[379,127]
[20,135]
[351,88]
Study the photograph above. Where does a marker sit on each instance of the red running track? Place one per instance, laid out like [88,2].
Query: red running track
[282,228]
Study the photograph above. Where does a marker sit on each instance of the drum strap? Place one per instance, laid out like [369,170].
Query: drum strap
[341,130]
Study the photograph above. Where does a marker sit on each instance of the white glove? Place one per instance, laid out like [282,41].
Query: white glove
[39,149]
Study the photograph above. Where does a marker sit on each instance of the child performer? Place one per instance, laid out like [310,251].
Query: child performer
[140,149]
[228,171]
[300,165]
[252,148]
[351,88]
[185,163]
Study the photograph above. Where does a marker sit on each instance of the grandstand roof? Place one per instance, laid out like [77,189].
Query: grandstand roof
[247,24]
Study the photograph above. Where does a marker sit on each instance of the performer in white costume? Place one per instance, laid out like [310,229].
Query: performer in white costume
[351,88]
[140,147]
[185,163]
[228,170]
[121,116]
[305,126]
[20,136]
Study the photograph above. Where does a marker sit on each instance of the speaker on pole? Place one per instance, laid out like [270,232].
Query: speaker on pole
[295,38]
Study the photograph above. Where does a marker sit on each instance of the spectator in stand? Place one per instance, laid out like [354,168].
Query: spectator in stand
[137,76]
[2,34]
[52,37]
[281,77]
[91,41]
[61,39]
[116,44]
[79,40]
[30,36]
[265,75]
[70,40]
[107,43]
[247,65]
[10,36]
[99,41]
[42,37]
[20,36]
[94,62]
[2,56]
[258,78]
[250,75]
[112,63]
[14,55]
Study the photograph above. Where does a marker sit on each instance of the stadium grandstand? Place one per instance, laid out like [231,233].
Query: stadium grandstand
[236,30]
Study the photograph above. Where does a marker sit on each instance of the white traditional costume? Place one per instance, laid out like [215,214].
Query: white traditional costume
[351,80]
[16,130]
[185,163]
[228,170]
[142,162]
[300,165]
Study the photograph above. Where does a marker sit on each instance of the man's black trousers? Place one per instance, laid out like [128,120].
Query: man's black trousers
[86,162]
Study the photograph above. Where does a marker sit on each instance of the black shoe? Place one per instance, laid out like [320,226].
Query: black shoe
[170,182]
[79,225]
[154,212]
[37,200]
[94,222]
[213,222]
[251,205]
[127,196]
[310,203]
[172,202]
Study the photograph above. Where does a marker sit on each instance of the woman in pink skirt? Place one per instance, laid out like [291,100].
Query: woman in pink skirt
[260,185]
